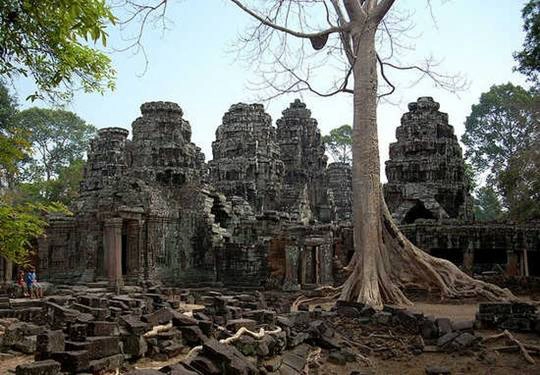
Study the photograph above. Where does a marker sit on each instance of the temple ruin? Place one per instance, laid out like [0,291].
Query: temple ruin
[267,210]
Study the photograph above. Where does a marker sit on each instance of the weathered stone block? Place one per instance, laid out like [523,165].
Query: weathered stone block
[47,367]
[135,345]
[106,364]
[100,328]
[50,341]
[161,316]
[235,324]
[73,361]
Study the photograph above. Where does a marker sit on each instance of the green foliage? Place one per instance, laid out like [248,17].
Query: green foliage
[498,126]
[339,142]
[59,138]
[20,225]
[520,183]
[21,221]
[49,42]
[13,142]
[63,189]
[529,57]
[487,206]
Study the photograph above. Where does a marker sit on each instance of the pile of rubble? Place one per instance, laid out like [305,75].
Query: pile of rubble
[205,331]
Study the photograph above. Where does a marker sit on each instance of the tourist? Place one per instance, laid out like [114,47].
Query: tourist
[31,281]
[22,284]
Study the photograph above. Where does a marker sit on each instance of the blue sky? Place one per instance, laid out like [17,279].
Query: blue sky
[189,64]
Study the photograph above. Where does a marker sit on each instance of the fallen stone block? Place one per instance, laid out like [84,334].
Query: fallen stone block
[134,324]
[49,342]
[192,335]
[463,325]
[27,345]
[106,364]
[101,328]
[180,320]
[77,332]
[162,316]
[47,367]
[97,312]
[98,347]
[72,361]
[235,324]
[135,346]
[444,326]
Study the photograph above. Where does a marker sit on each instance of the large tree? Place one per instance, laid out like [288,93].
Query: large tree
[529,57]
[499,130]
[20,221]
[384,261]
[58,137]
[51,42]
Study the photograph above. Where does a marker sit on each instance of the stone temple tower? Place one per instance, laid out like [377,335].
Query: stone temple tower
[246,160]
[305,187]
[425,172]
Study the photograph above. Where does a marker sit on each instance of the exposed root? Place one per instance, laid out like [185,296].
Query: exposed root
[379,274]
[241,331]
[312,357]
[314,300]
[516,342]
[157,329]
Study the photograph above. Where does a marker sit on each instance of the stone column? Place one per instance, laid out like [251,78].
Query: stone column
[8,270]
[525,261]
[141,266]
[112,246]
[512,264]
[292,254]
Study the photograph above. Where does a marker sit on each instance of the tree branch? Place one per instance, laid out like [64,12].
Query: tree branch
[265,21]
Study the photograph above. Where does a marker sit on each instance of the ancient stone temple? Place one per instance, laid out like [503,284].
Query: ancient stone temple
[266,211]
[142,213]
[305,187]
[425,172]
[246,161]
[428,195]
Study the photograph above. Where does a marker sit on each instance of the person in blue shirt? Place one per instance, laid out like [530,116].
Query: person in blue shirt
[33,286]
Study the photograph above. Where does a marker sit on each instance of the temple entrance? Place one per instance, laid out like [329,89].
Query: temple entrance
[534,263]
[418,211]
[489,260]
[453,255]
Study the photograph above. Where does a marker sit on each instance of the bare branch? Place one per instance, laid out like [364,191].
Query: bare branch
[267,22]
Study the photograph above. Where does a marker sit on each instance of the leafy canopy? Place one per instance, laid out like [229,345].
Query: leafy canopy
[338,143]
[49,42]
[20,222]
[529,57]
[58,139]
[487,205]
[498,127]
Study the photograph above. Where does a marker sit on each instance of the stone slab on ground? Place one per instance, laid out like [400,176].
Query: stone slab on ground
[47,367]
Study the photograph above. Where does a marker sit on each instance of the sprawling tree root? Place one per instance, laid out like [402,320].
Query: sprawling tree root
[378,278]
[518,344]
[241,331]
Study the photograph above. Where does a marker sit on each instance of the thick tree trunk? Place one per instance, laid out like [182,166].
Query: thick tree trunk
[384,261]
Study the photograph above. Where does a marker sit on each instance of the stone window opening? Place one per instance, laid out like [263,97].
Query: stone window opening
[418,211]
